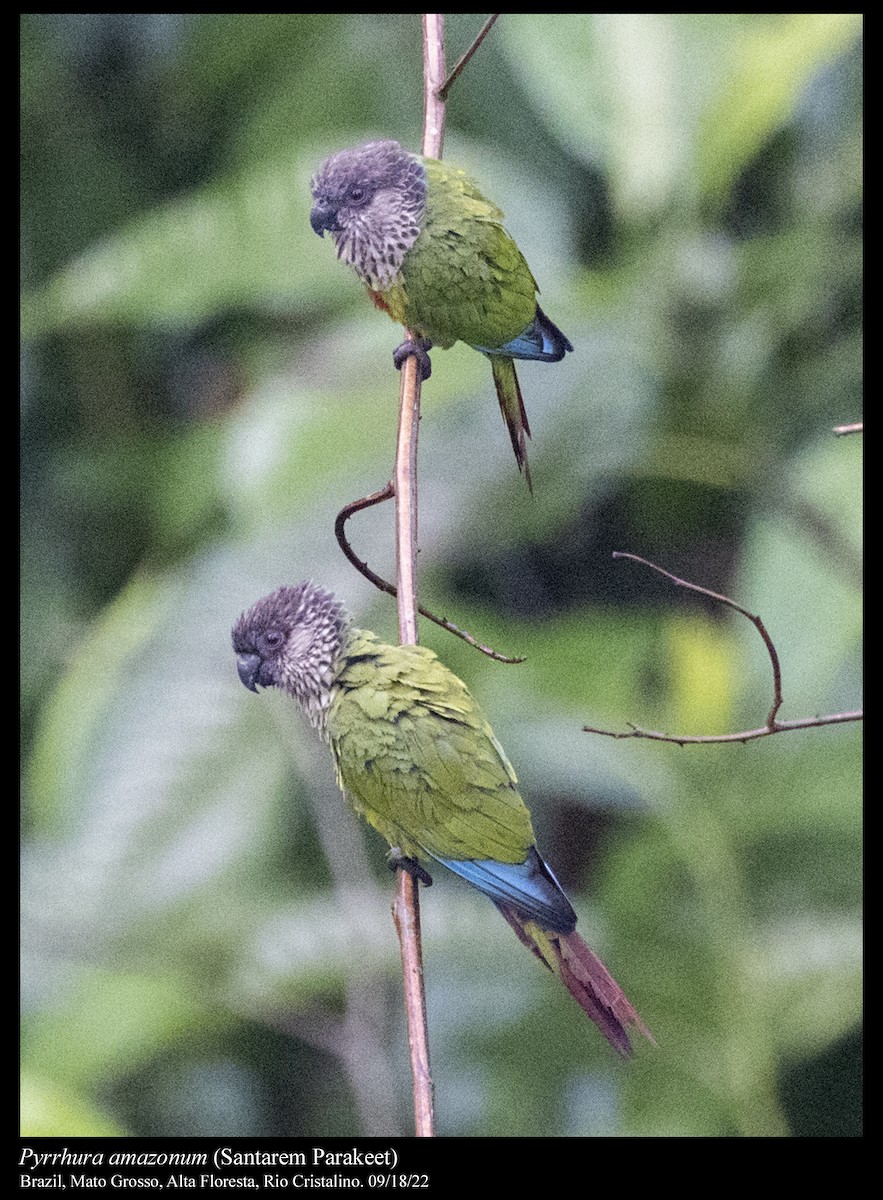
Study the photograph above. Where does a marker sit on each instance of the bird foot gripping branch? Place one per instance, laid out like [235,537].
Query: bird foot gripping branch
[414,348]
[396,861]
[434,255]
[416,758]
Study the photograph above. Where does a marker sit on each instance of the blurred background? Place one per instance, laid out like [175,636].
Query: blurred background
[207,943]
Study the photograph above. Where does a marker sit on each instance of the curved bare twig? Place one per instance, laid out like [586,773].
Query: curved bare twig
[773,725]
[386,493]
[746,735]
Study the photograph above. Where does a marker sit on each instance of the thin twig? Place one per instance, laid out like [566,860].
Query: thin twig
[387,493]
[464,58]
[856,427]
[772,724]
[747,735]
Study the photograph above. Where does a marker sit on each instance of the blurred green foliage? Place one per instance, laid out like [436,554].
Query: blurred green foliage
[207,942]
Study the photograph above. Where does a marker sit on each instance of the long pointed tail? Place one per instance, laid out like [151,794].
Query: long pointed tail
[512,408]
[585,977]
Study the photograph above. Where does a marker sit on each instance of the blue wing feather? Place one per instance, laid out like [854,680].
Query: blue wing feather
[542,341]
[530,887]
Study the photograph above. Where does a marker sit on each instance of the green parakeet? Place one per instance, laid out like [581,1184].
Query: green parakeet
[417,759]
[433,254]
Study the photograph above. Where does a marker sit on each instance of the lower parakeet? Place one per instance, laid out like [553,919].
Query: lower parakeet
[417,759]
[433,254]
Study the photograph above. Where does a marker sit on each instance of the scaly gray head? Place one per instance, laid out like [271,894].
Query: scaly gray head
[370,199]
[292,639]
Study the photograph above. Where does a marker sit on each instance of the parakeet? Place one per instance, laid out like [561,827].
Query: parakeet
[433,254]
[417,759]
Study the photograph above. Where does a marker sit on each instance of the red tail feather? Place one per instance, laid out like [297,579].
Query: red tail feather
[585,977]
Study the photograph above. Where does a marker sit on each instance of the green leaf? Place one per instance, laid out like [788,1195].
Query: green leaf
[661,99]
[802,574]
[771,65]
[53,1109]
[105,1022]
[243,240]
[75,717]
[623,90]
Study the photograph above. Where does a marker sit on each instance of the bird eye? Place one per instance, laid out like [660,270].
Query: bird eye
[356,194]
[273,639]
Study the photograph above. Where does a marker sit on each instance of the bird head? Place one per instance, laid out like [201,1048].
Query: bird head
[292,639]
[370,199]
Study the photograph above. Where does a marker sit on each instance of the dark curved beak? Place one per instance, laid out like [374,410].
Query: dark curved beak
[248,666]
[323,217]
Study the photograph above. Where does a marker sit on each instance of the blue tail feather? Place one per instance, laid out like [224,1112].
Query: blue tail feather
[541,341]
[530,887]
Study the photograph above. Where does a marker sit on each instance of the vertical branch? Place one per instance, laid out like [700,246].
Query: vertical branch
[406,910]
[405,478]
[405,487]
[433,78]
[406,915]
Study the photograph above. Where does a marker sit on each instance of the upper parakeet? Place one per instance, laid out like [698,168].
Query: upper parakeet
[417,759]
[435,256]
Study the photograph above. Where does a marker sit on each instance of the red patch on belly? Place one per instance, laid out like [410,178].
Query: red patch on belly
[378,300]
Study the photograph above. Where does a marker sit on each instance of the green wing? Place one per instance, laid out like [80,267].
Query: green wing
[417,758]
[465,278]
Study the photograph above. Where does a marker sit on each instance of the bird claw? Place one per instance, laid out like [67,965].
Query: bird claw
[396,861]
[414,348]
